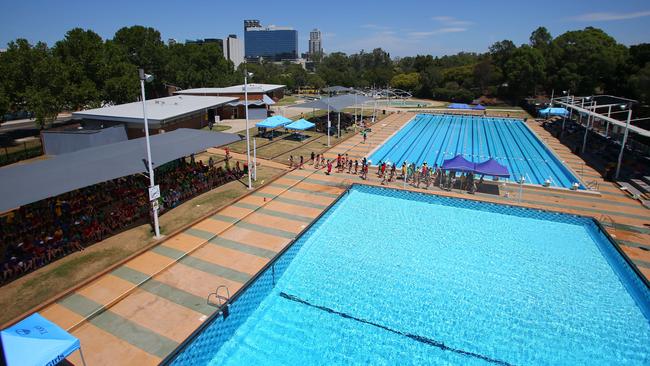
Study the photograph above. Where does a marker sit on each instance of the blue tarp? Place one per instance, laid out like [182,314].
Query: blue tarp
[36,341]
[478,107]
[301,124]
[548,112]
[273,122]
[459,106]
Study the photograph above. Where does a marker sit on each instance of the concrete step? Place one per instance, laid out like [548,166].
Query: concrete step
[640,185]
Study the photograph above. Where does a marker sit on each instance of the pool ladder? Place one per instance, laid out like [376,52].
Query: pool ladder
[219,300]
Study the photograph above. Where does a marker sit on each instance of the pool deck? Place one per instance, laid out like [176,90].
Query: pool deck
[144,308]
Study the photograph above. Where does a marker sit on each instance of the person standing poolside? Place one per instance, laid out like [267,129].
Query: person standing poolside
[313,156]
[365,136]
[404,171]
[290,161]
[349,166]
[302,161]
[356,167]
[329,167]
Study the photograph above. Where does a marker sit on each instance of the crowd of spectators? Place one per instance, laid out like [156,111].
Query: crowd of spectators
[44,231]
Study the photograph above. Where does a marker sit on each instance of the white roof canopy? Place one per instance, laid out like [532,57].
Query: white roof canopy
[158,110]
[235,89]
[588,111]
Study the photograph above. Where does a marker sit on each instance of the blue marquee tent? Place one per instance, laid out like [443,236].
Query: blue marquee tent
[36,341]
[273,122]
[548,112]
[458,163]
[301,124]
[478,107]
[458,106]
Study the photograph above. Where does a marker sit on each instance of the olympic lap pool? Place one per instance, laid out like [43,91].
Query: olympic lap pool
[435,138]
[394,277]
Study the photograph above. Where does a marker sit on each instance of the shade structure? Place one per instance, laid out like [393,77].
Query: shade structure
[492,168]
[478,107]
[301,125]
[458,163]
[548,112]
[36,341]
[337,103]
[273,122]
[458,106]
[30,182]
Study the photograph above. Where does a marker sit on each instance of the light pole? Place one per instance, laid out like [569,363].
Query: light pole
[329,123]
[590,120]
[248,138]
[627,125]
[154,191]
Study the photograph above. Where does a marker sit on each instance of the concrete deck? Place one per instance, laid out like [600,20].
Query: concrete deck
[142,310]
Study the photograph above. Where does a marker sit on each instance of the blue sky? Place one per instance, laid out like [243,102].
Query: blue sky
[403,27]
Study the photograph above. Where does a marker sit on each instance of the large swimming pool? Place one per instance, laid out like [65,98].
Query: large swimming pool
[435,138]
[393,277]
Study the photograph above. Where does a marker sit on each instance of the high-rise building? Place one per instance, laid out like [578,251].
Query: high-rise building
[315,44]
[274,43]
[233,50]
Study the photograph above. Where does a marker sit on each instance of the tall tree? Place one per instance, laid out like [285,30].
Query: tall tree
[82,54]
[524,71]
[144,49]
[541,38]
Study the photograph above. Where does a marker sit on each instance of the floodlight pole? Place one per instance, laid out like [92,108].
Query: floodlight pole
[620,155]
[255,159]
[355,110]
[338,127]
[584,140]
[154,207]
[329,123]
[248,139]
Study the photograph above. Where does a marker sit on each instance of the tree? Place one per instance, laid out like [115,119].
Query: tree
[121,83]
[486,74]
[45,94]
[315,81]
[540,39]
[408,82]
[524,71]
[144,49]
[590,58]
[639,84]
[501,52]
[81,52]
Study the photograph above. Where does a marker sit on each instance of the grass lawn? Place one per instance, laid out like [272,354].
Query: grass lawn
[287,100]
[35,288]
[283,145]
[217,128]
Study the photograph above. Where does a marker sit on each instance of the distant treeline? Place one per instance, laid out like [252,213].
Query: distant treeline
[83,70]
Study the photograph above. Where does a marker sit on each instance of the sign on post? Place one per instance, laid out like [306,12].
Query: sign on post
[154,192]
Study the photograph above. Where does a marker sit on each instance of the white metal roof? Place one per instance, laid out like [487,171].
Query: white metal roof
[158,110]
[252,88]
[613,121]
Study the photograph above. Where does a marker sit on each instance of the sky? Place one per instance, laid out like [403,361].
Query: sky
[402,27]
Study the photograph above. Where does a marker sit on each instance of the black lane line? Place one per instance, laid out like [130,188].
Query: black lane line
[421,339]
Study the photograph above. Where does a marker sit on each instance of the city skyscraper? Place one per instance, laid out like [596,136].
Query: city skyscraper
[271,42]
[233,50]
[315,44]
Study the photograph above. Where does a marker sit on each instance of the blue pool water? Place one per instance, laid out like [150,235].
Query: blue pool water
[435,138]
[387,277]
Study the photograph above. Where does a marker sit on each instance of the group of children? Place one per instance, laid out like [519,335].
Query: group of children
[424,174]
